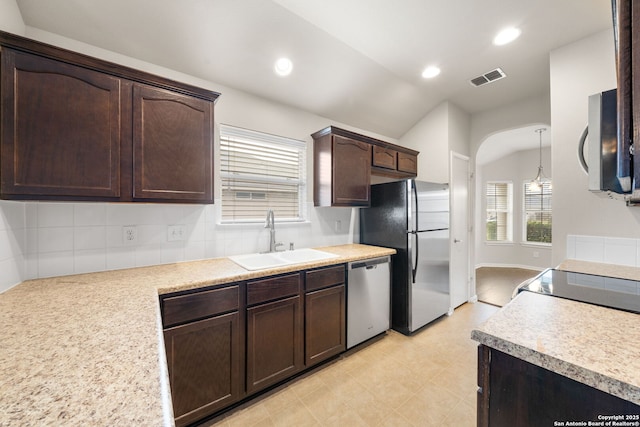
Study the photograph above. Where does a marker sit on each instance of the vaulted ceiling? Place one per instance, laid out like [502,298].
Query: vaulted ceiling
[358,62]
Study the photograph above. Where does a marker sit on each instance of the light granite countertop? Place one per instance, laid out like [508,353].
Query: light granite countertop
[594,345]
[600,269]
[88,349]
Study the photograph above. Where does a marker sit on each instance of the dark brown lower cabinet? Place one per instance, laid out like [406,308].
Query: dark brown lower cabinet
[229,342]
[274,342]
[325,327]
[206,369]
[325,313]
[513,392]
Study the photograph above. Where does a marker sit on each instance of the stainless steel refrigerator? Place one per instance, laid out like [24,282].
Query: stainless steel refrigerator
[413,218]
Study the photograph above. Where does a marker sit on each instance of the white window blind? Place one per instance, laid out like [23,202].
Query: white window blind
[499,208]
[261,172]
[537,213]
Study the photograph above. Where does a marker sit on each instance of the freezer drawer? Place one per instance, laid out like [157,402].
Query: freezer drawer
[368,299]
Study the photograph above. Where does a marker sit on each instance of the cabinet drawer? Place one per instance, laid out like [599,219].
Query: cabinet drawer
[325,277]
[273,288]
[384,157]
[184,308]
[407,163]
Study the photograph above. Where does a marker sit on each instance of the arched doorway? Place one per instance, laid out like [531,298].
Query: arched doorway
[505,164]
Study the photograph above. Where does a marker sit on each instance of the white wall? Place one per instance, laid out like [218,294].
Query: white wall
[459,130]
[10,17]
[526,112]
[429,136]
[577,71]
[444,128]
[517,167]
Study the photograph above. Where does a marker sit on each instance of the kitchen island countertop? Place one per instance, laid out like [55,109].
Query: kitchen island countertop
[597,346]
[88,349]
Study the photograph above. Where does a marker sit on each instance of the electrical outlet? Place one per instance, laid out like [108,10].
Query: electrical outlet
[176,232]
[129,234]
[337,226]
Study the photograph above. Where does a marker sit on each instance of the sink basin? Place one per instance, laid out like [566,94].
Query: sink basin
[279,259]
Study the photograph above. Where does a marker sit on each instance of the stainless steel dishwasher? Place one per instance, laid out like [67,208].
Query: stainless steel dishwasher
[368,299]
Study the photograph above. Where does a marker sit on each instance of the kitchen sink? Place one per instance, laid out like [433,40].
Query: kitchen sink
[261,261]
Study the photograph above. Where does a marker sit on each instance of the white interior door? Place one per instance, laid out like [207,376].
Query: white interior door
[459,228]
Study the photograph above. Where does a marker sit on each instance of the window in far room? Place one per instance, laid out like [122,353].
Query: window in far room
[259,172]
[537,212]
[499,226]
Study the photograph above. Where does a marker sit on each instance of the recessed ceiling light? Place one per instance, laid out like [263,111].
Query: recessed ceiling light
[283,67]
[506,36]
[430,72]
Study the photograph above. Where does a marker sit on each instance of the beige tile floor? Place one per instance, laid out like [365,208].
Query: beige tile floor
[495,285]
[428,379]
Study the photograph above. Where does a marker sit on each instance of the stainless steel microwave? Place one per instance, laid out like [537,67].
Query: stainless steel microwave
[608,165]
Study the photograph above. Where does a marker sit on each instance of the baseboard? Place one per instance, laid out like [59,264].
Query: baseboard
[526,267]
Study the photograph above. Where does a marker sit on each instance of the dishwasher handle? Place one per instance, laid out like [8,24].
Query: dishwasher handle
[369,263]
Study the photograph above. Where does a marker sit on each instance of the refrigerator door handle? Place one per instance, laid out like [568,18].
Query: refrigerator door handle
[414,266]
[415,209]
[414,262]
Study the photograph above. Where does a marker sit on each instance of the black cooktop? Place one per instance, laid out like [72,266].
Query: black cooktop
[621,294]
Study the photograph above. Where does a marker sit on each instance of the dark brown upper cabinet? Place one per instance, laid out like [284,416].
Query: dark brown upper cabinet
[344,162]
[342,171]
[78,128]
[53,143]
[172,146]
[385,157]
[408,163]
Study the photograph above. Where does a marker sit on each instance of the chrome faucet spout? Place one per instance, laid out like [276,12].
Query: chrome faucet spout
[271,225]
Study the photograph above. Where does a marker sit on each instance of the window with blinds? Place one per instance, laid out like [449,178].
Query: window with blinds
[261,172]
[499,212]
[537,213]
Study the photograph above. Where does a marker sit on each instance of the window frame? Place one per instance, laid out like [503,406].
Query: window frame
[509,213]
[228,131]
[525,185]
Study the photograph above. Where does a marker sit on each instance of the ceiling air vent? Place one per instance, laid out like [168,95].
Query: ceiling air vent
[489,77]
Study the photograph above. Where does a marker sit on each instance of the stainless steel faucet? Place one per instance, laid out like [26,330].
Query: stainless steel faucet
[271,225]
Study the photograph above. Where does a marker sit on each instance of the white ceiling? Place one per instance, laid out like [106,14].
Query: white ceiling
[355,61]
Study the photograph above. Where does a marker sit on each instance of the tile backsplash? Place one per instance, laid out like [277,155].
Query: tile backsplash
[12,243]
[45,239]
[608,250]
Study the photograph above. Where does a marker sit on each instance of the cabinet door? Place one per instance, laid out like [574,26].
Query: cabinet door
[351,172]
[518,393]
[384,157]
[172,146]
[408,163]
[325,330]
[206,366]
[61,129]
[274,342]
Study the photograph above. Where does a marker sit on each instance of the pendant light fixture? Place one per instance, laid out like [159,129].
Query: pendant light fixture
[537,182]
